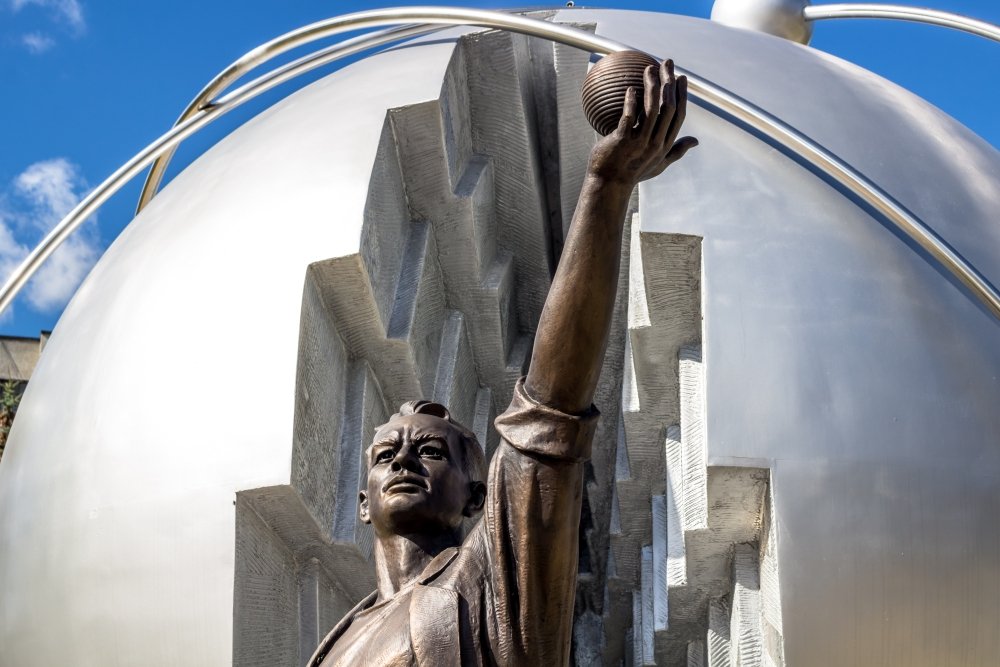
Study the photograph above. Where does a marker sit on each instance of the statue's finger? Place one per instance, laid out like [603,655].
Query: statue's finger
[679,149]
[666,80]
[668,102]
[651,94]
[680,112]
[670,91]
[627,121]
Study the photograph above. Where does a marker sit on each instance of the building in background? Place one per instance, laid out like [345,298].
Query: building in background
[18,356]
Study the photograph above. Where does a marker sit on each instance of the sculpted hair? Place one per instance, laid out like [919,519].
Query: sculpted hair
[473,461]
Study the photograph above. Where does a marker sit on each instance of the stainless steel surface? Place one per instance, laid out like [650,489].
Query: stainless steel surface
[169,384]
[855,367]
[856,182]
[868,10]
[757,118]
[781,18]
[839,358]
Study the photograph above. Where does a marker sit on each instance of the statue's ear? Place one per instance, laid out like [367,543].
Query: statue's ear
[477,498]
[363,507]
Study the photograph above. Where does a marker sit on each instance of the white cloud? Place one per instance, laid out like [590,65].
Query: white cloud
[57,280]
[37,42]
[50,187]
[68,12]
[38,199]
[11,251]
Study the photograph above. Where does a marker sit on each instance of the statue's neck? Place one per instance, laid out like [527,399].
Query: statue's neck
[401,559]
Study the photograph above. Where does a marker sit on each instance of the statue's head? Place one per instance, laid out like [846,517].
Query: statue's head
[426,473]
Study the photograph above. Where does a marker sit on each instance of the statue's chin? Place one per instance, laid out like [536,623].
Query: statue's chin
[410,513]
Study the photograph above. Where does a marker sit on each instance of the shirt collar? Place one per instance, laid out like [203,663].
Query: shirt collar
[438,563]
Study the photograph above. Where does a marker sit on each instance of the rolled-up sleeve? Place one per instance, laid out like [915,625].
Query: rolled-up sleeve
[538,429]
[533,518]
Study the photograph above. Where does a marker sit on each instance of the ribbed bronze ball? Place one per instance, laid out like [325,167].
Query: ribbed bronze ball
[604,89]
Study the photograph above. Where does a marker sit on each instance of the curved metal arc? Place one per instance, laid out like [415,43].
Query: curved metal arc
[865,10]
[738,107]
[440,16]
[708,92]
[854,181]
[89,204]
[168,142]
[217,86]
[207,113]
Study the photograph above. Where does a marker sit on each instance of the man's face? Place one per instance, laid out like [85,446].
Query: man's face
[416,480]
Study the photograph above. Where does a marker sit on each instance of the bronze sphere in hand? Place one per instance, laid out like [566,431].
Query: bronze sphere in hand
[604,89]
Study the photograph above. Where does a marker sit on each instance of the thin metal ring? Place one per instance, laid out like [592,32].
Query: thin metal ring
[322,57]
[864,10]
[701,89]
[442,16]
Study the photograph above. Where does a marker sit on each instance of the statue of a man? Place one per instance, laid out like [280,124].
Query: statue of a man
[504,595]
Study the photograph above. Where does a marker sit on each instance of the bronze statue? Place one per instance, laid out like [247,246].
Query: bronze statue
[505,594]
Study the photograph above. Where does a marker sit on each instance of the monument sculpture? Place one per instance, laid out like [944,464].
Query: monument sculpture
[504,595]
[767,484]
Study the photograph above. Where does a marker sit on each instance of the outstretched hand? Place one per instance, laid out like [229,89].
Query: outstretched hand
[573,329]
[643,145]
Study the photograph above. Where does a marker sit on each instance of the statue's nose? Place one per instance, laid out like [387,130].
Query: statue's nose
[404,458]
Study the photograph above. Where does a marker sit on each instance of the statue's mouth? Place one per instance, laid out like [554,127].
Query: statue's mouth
[405,484]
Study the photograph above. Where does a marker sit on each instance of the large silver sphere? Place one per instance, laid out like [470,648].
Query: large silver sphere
[836,355]
[782,18]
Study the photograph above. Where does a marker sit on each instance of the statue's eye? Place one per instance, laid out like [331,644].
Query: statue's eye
[430,451]
[384,455]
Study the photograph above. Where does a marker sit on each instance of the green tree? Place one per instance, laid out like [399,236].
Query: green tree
[10,397]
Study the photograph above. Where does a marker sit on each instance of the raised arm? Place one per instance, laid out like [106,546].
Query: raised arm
[573,330]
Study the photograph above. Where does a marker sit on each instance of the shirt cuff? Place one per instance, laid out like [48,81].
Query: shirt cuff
[539,429]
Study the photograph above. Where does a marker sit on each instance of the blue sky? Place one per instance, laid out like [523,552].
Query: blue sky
[85,84]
